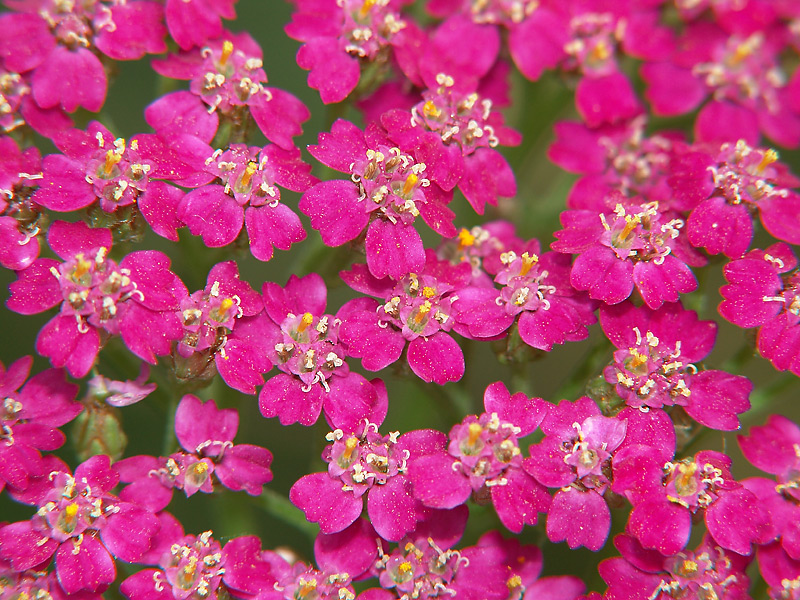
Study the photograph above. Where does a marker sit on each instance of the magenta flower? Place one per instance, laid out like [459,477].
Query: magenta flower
[483,247]
[675,492]
[615,157]
[730,183]
[742,75]
[209,317]
[199,567]
[454,132]
[772,448]
[244,192]
[654,366]
[641,573]
[227,77]
[304,343]
[206,434]
[576,456]
[483,460]
[780,571]
[632,246]
[17,107]
[59,41]
[81,524]
[387,191]
[762,292]
[537,291]
[29,419]
[417,312]
[37,584]
[137,299]
[341,35]
[365,465]
[19,215]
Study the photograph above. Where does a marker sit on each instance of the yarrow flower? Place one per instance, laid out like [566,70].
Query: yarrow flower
[136,299]
[417,312]
[80,524]
[388,190]
[19,214]
[208,456]
[483,460]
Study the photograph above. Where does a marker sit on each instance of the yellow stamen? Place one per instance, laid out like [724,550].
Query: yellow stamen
[190,568]
[528,260]
[430,110]
[404,567]
[227,50]
[465,238]
[601,51]
[112,158]
[350,445]
[689,567]
[411,181]
[475,431]
[224,307]
[631,221]
[249,171]
[428,292]
[366,7]
[308,587]
[514,582]
[200,468]
[70,512]
[770,156]
[82,267]
[684,481]
[305,321]
[423,311]
[638,358]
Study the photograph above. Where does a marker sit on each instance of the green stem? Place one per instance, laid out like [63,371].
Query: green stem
[279,507]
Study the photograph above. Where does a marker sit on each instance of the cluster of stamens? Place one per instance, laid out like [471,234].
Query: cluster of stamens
[310,348]
[229,78]
[391,182]
[699,575]
[421,570]
[639,235]
[502,12]
[524,283]
[364,458]
[418,308]
[195,566]
[457,117]
[594,40]
[484,448]
[691,484]
[92,286]
[369,26]
[745,174]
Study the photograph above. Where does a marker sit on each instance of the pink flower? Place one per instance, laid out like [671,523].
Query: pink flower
[228,78]
[19,215]
[60,40]
[365,465]
[388,189]
[483,459]
[654,366]
[303,342]
[98,298]
[81,524]
[417,311]
[29,419]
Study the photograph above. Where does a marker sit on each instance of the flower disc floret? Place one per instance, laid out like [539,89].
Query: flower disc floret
[228,77]
[368,26]
[420,570]
[193,567]
[485,448]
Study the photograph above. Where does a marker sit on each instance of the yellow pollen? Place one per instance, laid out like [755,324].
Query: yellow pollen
[305,321]
[350,445]
[411,181]
[689,567]
[528,261]
[71,511]
[630,224]
[249,171]
[200,468]
[428,292]
[684,480]
[465,238]
[770,156]
[475,431]
[227,50]
[601,51]
[404,567]
[514,582]
[81,268]
[430,110]
[225,306]
[423,311]
[638,358]
[366,7]
[191,567]
[112,158]
[742,51]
